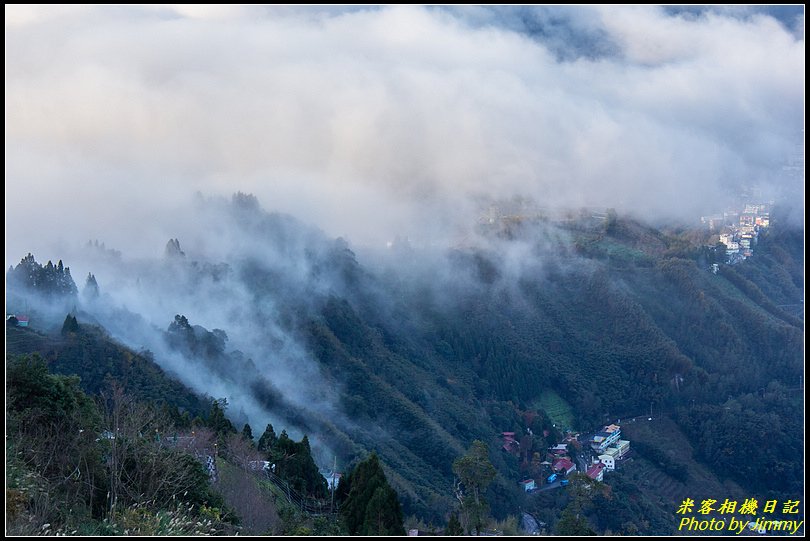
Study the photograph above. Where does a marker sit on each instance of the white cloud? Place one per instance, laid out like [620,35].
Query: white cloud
[376,120]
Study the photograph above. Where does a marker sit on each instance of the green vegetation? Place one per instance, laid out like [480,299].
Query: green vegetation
[662,460]
[771,457]
[115,466]
[294,464]
[558,410]
[603,321]
[454,526]
[368,504]
[48,280]
[475,472]
[81,466]
[89,352]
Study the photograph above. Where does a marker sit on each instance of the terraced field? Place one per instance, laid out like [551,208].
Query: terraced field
[557,409]
[701,484]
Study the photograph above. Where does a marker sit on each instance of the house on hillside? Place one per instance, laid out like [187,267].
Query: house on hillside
[559,449]
[332,479]
[605,438]
[510,445]
[622,447]
[609,462]
[564,466]
[571,437]
[17,321]
[596,472]
[258,465]
[528,485]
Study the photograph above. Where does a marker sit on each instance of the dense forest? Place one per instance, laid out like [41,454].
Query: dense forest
[413,355]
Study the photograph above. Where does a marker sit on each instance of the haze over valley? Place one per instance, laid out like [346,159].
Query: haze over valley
[447,253]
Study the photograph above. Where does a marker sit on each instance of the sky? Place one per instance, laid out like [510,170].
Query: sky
[379,121]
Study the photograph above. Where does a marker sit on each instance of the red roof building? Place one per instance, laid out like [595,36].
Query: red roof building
[563,465]
[510,445]
[596,472]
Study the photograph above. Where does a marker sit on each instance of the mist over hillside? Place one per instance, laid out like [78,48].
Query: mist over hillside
[414,352]
[376,122]
[405,229]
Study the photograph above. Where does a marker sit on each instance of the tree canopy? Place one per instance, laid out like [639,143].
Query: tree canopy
[370,506]
[475,472]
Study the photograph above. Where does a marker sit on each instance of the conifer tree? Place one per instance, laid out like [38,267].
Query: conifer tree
[70,325]
[267,440]
[218,422]
[370,505]
[454,526]
[90,290]
[476,472]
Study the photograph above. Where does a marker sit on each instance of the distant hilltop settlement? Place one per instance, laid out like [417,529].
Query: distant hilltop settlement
[591,454]
[738,231]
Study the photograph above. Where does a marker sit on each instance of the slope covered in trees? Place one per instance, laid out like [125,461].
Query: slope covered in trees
[89,352]
[416,354]
[80,466]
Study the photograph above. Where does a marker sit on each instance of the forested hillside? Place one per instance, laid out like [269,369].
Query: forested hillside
[415,353]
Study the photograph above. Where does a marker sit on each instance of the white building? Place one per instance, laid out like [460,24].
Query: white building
[332,479]
[726,238]
[608,461]
[528,485]
[623,446]
[608,436]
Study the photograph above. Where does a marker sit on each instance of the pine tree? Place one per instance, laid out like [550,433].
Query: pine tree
[294,464]
[383,514]
[267,440]
[454,526]
[49,280]
[90,290]
[572,523]
[247,433]
[67,285]
[218,422]
[370,505]
[173,250]
[70,325]
[476,472]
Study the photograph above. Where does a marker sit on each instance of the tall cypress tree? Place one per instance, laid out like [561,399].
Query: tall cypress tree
[370,506]
[247,433]
[70,325]
[294,464]
[454,526]
[267,440]
[217,421]
[476,472]
[90,290]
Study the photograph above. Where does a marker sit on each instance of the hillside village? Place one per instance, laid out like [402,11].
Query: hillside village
[739,230]
[592,454]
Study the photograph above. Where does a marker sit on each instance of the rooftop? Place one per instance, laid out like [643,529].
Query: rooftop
[562,463]
[594,471]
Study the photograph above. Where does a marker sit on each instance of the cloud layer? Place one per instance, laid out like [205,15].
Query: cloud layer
[397,120]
